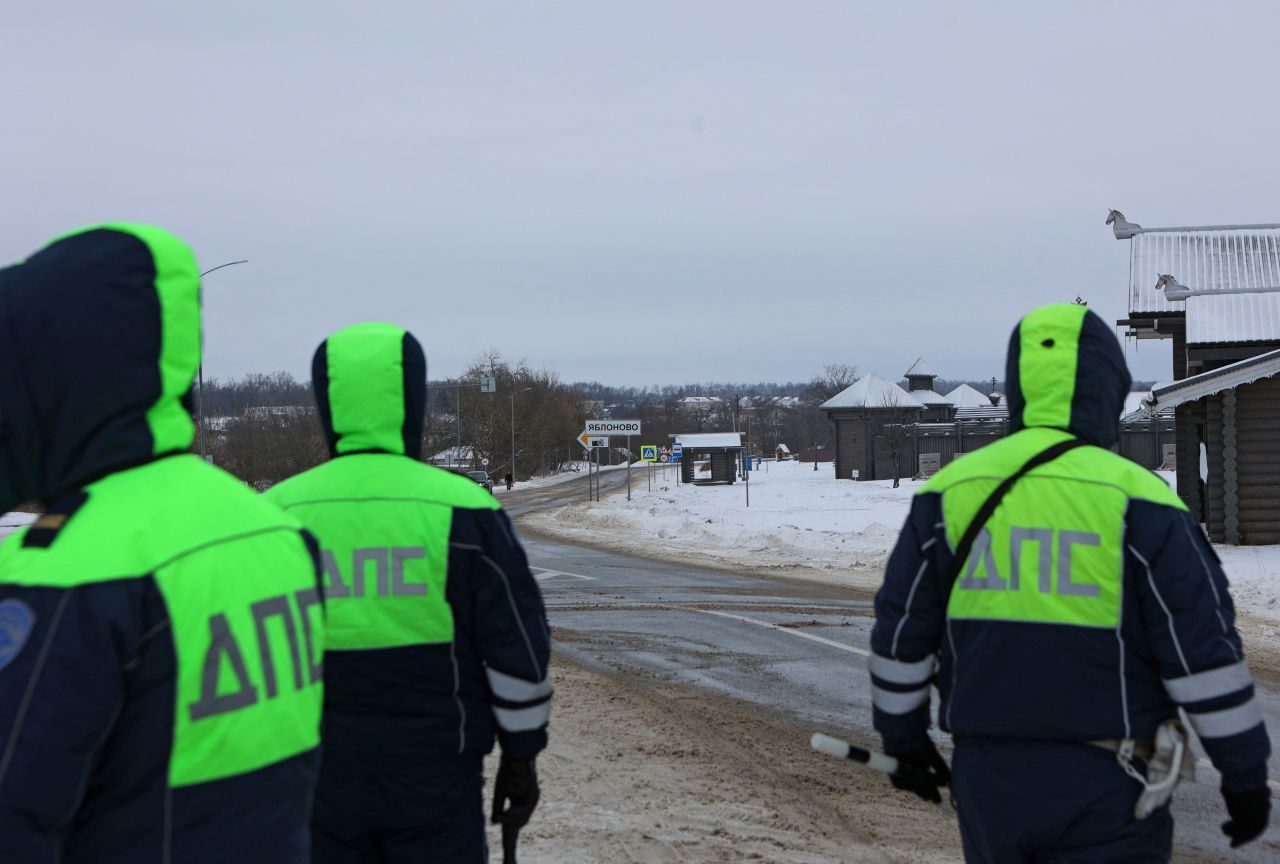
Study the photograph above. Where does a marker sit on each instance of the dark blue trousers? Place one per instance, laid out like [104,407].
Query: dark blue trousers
[1034,802]
[380,808]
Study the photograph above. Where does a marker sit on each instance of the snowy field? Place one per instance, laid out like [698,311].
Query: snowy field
[799,520]
[809,524]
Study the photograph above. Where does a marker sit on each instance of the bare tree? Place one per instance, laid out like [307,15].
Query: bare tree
[895,424]
[267,444]
[834,378]
[702,414]
[548,415]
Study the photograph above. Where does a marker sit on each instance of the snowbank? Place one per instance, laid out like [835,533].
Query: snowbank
[573,472]
[1254,573]
[798,519]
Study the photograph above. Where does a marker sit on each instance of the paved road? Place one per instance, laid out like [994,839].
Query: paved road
[569,492]
[796,648]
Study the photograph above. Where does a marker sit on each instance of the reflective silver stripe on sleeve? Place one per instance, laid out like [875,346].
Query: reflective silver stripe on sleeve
[898,672]
[1230,721]
[512,689]
[523,719]
[1210,684]
[892,702]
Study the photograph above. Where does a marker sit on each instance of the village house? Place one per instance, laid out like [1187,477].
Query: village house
[1214,293]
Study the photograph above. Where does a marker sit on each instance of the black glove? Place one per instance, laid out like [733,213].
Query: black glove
[1249,812]
[922,770]
[515,793]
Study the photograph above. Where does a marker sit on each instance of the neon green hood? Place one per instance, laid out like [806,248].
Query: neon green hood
[1066,370]
[370,382]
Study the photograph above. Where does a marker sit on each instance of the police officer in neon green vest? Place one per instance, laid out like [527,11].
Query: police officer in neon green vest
[161,627]
[438,638]
[1066,605]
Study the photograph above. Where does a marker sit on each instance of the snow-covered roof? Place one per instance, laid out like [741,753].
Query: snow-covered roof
[920,368]
[1133,412]
[1202,259]
[965,396]
[872,392]
[1142,416]
[980,412]
[1208,383]
[1233,318]
[1227,258]
[782,448]
[710,439]
[454,455]
[930,397]
[700,400]
[1134,401]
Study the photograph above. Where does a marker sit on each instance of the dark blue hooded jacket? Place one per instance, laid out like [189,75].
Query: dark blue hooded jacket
[1091,605]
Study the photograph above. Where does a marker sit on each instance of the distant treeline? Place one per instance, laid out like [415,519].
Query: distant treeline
[472,428]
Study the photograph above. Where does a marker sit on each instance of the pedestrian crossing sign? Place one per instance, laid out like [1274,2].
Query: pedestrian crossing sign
[648,452]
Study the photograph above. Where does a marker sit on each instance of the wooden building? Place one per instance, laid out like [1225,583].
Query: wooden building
[1224,325]
[863,426]
[867,417]
[718,451]
[1238,469]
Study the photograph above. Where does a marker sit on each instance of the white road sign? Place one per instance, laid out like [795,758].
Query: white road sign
[588,440]
[613,427]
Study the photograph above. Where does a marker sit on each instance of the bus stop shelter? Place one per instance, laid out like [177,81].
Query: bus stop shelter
[718,450]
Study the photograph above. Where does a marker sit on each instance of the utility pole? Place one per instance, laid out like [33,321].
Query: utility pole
[204,453]
[514,393]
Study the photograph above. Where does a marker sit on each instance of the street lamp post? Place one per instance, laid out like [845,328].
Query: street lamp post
[514,393]
[200,373]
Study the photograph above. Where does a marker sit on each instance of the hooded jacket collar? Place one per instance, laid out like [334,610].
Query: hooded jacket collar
[1066,370]
[99,345]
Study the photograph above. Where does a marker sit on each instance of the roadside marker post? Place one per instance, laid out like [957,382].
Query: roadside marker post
[593,444]
[649,455]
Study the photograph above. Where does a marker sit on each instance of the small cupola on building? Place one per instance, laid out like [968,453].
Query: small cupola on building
[920,376]
[920,380]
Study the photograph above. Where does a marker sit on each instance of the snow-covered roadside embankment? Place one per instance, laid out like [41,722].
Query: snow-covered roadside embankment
[805,523]
[800,522]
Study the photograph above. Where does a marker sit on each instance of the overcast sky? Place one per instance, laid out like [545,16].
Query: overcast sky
[647,192]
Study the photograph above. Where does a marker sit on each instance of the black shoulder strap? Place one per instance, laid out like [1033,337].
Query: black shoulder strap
[993,501]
